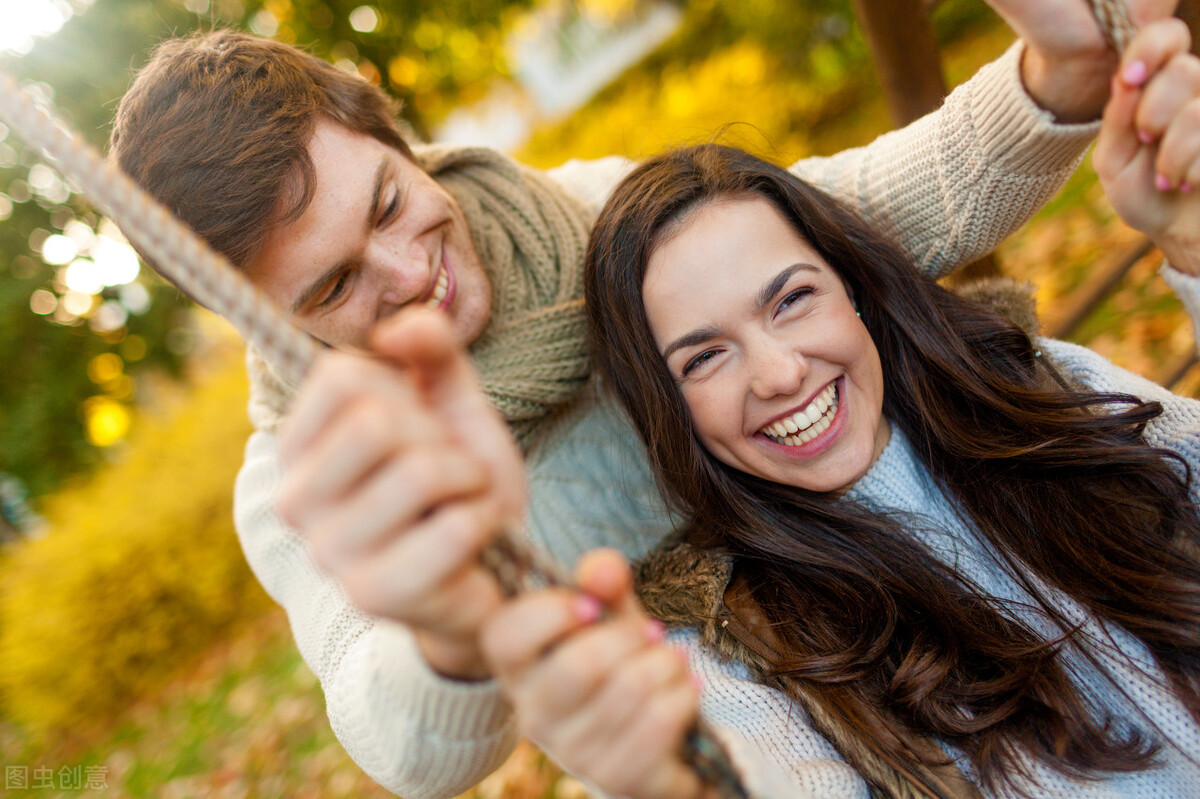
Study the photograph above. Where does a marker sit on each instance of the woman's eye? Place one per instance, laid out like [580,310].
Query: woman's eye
[698,361]
[794,296]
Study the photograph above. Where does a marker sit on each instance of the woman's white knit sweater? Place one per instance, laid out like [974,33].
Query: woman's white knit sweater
[947,188]
[775,735]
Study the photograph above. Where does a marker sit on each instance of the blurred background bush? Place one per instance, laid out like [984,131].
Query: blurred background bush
[135,648]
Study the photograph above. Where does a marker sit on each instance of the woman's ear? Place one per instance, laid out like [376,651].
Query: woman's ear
[850,293]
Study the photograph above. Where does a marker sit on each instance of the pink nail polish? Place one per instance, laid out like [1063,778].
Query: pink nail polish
[1145,137]
[1134,73]
[654,631]
[1185,187]
[1162,183]
[586,608]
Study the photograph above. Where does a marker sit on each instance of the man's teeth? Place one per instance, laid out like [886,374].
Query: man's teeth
[439,290]
[807,423]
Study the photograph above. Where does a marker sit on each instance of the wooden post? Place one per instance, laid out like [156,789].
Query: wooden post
[1189,12]
[902,44]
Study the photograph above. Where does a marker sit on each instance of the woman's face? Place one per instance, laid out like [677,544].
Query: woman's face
[779,373]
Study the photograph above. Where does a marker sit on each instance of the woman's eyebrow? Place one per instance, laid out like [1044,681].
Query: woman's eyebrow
[697,336]
[778,282]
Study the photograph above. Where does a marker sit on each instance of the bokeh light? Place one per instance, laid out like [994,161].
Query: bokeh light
[106,421]
[83,277]
[77,303]
[26,20]
[58,250]
[136,298]
[105,367]
[43,302]
[364,19]
[116,262]
[110,316]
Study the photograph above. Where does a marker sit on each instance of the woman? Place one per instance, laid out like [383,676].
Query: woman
[968,554]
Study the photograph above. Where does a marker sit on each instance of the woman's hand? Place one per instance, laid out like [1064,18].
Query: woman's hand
[1067,63]
[595,686]
[398,477]
[1148,155]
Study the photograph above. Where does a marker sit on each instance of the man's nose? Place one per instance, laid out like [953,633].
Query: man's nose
[776,369]
[403,275]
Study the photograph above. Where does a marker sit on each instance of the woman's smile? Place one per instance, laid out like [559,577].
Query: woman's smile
[778,371]
[812,429]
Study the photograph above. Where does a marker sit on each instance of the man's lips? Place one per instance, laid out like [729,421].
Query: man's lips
[441,293]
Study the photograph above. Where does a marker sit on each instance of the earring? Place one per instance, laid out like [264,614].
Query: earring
[858,314]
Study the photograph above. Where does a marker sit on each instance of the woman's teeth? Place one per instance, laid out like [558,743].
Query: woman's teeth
[439,290]
[806,423]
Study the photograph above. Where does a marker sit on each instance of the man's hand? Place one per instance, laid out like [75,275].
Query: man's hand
[594,685]
[399,473]
[1067,64]
[1148,155]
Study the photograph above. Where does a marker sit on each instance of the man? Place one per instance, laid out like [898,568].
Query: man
[397,480]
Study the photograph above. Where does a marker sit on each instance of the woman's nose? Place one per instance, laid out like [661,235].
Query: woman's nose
[777,370]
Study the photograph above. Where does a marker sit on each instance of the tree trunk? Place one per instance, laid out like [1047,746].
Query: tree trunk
[1189,12]
[901,41]
[905,52]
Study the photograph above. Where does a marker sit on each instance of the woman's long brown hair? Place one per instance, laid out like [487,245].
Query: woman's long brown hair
[1060,483]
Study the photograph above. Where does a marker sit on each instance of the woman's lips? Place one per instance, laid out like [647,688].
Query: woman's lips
[824,433]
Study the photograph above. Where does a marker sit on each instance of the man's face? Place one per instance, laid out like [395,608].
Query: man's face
[379,234]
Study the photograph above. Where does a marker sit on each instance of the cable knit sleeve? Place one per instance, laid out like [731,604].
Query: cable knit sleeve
[1178,428]
[950,186]
[414,732]
[776,749]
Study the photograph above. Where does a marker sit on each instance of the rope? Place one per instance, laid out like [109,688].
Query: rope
[208,277]
[1115,23]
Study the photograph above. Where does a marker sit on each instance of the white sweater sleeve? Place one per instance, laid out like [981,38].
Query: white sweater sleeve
[769,737]
[413,732]
[953,184]
[1178,427]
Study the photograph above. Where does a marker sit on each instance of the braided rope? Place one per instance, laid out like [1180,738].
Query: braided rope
[192,265]
[1115,22]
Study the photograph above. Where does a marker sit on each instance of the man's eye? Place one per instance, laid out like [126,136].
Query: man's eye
[335,291]
[698,361]
[391,208]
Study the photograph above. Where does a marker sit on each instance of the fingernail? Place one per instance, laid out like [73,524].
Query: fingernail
[1145,137]
[1185,187]
[654,631]
[1162,183]
[586,608]
[1134,73]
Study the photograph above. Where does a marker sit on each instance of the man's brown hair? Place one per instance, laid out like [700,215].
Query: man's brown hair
[217,127]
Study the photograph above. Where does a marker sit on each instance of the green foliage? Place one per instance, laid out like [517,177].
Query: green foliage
[140,569]
[431,56]
[794,81]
